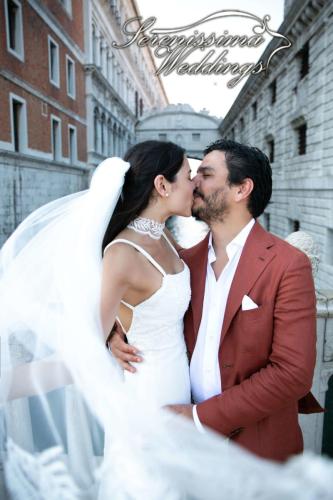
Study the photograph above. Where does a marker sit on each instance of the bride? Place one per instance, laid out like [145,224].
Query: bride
[145,285]
[66,274]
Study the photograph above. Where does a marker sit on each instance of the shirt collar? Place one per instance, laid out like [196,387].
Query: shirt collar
[234,245]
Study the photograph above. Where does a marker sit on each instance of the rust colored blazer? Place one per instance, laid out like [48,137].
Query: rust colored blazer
[266,355]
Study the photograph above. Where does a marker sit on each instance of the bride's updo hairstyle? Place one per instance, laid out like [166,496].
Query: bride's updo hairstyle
[147,159]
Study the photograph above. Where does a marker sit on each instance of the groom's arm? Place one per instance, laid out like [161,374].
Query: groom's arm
[288,374]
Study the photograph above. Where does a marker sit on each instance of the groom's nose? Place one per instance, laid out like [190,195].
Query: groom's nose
[195,181]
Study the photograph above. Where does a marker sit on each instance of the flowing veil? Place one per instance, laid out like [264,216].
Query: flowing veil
[60,388]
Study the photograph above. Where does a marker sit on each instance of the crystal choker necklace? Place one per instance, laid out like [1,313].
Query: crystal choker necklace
[149,227]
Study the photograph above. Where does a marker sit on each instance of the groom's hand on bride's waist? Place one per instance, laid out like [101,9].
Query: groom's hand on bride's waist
[124,353]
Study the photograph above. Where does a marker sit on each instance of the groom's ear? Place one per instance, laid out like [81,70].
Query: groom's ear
[160,184]
[243,190]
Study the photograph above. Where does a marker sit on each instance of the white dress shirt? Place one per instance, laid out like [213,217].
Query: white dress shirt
[204,368]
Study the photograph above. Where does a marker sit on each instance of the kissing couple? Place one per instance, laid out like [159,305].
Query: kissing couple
[242,361]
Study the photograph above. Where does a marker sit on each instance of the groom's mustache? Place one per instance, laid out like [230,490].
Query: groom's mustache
[197,193]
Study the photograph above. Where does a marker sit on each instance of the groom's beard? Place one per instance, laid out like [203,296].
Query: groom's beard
[214,209]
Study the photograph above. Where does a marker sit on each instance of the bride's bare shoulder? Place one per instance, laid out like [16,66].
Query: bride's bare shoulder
[120,264]
[123,253]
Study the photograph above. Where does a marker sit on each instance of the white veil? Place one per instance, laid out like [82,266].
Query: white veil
[60,388]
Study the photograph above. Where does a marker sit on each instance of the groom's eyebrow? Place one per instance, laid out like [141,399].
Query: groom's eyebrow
[205,169]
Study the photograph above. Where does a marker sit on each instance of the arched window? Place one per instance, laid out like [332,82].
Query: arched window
[94,44]
[96,129]
[136,104]
[110,138]
[115,145]
[103,135]
[101,50]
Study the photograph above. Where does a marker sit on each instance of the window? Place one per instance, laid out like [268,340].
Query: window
[136,104]
[72,144]
[162,137]
[103,135]
[271,150]
[241,124]
[272,90]
[18,121]
[254,110]
[70,76]
[141,107]
[67,5]
[195,137]
[303,56]
[301,139]
[14,28]
[294,225]
[54,62]
[94,44]
[56,138]
[232,134]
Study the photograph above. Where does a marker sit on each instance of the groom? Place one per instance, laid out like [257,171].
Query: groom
[250,329]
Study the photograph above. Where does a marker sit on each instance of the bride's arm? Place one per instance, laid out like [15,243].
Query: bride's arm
[116,279]
[37,377]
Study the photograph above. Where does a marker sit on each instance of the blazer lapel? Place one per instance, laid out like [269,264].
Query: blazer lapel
[196,258]
[255,257]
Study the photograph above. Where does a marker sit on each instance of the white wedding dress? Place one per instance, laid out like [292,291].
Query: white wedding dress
[163,376]
[157,331]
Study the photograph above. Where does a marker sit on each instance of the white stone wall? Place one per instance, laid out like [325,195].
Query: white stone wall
[302,184]
[26,184]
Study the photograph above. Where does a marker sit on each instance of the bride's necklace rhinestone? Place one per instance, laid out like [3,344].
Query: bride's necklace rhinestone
[146,226]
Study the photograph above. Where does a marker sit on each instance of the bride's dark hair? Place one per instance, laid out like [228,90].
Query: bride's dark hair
[147,159]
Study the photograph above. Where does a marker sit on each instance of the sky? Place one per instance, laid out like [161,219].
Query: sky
[210,91]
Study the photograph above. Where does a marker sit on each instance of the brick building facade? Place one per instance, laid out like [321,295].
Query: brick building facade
[67,98]
[43,112]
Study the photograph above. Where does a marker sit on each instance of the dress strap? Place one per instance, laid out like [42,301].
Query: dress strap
[141,250]
[173,248]
[122,326]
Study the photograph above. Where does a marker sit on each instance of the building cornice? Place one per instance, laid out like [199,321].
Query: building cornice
[179,113]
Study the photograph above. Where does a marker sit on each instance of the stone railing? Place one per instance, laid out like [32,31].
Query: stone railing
[312,425]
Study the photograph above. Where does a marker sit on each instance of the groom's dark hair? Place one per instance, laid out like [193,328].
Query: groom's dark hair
[247,162]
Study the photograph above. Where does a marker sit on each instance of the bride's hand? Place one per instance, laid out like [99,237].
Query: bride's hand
[124,353]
